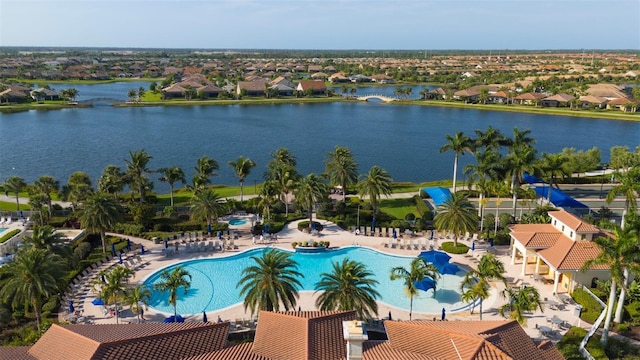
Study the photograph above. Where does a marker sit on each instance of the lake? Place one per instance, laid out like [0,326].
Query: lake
[404,140]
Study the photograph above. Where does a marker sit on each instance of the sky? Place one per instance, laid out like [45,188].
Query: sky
[328,24]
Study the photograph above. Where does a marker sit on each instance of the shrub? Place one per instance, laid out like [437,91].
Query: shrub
[569,343]
[294,244]
[9,235]
[622,328]
[162,227]
[410,217]
[305,225]
[450,248]
[82,250]
[502,238]
[591,309]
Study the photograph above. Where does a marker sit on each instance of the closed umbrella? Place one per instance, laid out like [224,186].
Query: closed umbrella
[104,280]
[129,244]
[204,317]
[431,237]
[473,246]
[395,235]
[166,243]
[443,314]
[209,229]
[120,258]
[142,249]
[390,315]
[113,249]
[71,307]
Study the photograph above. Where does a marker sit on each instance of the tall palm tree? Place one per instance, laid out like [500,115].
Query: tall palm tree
[98,214]
[207,205]
[520,138]
[242,168]
[475,284]
[491,139]
[309,191]
[282,170]
[553,165]
[629,187]
[342,169]
[481,173]
[136,168]
[267,197]
[15,184]
[520,301]
[618,255]
[138,298]
[114,289]
[43,237]
[78,188]
[375,183]
[172,175]
[520,160]
[45,185]
[418,270]
[30,279]
[456,215]
[205,169]
[172,282]
[272,281]
[112,180]
[459,144]
[349,286]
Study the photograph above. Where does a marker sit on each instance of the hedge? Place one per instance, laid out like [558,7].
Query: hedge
[451,249]
[591,309]
[569,343]
[9,235]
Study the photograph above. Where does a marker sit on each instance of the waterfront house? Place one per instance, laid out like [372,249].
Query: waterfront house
[530,98]
[624,104]
[42,94]
[556,100]
[315,87]
[589,101]
[251,88]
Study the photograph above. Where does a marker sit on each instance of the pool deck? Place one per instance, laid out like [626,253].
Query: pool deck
[156,259]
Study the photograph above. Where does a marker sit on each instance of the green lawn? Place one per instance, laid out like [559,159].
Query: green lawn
[11,206]
[405,187]
[181,197]
[398,208]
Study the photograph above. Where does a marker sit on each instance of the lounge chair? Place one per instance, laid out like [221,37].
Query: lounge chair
[210,246]
[202,246]
[9,221]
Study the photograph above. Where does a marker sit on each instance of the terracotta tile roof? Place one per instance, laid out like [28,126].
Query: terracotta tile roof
[15,353]
[550,351]
[567,254]
[535,235]
[237,352]
[382,350]
[559,98]
[312,84]
[301,335]
[573,222]
[472,340]
[131,341]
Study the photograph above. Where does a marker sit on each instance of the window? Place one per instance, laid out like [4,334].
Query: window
[583,236]
[571,234]
[562,228]
[555,223]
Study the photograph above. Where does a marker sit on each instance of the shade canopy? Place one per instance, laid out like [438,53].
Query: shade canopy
[439,195]
[448,269]
[204,316]
[435,257]
[425,284]
[97,301]
[559,198]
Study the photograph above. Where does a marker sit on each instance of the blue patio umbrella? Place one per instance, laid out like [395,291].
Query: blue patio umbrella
[435,257]
[71,307]
[373,225]
[209,229]
[395,235]
[113,249]
[425,284]
[220,235]
[431,237]
[444,312]
[129,244]
[491,242]
[172,319]
[120,258]
[166,243]
[142,249]
[473,246]
[266,228]
[204,317]
[97,302]
[448,269]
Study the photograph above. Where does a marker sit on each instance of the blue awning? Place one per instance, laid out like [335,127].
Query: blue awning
[558,198]
[438,194]
[530,179]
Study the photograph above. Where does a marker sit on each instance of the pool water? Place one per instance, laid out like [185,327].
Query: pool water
[237,222]
[2,229]
[214,281]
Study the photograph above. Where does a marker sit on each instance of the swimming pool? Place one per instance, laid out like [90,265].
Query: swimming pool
[237,222]
[214,281]
[2,229]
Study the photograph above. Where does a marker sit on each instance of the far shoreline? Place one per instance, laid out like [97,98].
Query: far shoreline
[607,115]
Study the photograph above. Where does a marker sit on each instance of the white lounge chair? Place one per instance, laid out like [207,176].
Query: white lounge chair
[188,247]
[9,221]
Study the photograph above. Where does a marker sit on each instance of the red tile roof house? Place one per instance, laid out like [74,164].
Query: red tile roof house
[316,87]
[251,88]
[304,335]
[529,98]
[556,100]
[557,251]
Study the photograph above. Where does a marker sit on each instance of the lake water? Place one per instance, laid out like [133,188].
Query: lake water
[404,140]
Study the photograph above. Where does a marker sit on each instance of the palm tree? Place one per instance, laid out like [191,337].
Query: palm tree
[46,185]
[131,94]
[15,184]
[481,173]
[267,197]
[78,188]
[98,214]
[171,175]
[171,282]
[44,237]
[112,180]
[491,139]
[30,279]
[271,282]
[341,168]
[138,298]
[521,300]
[629,187]
[457,215]
[375,183]
[617,255]
[282,170]
[418,270]
[553,165]
[459,144]
[242,167]
[207,205]
[520,160]
[205,169]
[114,289]
[309,191]
[349,287]
[136,168]
[475,284]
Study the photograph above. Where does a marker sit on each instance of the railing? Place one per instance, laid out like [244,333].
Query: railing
[593,328]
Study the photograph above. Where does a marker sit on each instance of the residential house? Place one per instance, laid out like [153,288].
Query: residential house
[436,94]
[589,101]
[382,79]
[42,94]
[314,68]
[311,335]
[14,95]
[556,100]
[472,94]
[530,98]
[625,104]
[283,81]
[319,76]
[315,87]
[500,97]
[338,77]
[359,78]
[251,88]
[556,252]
